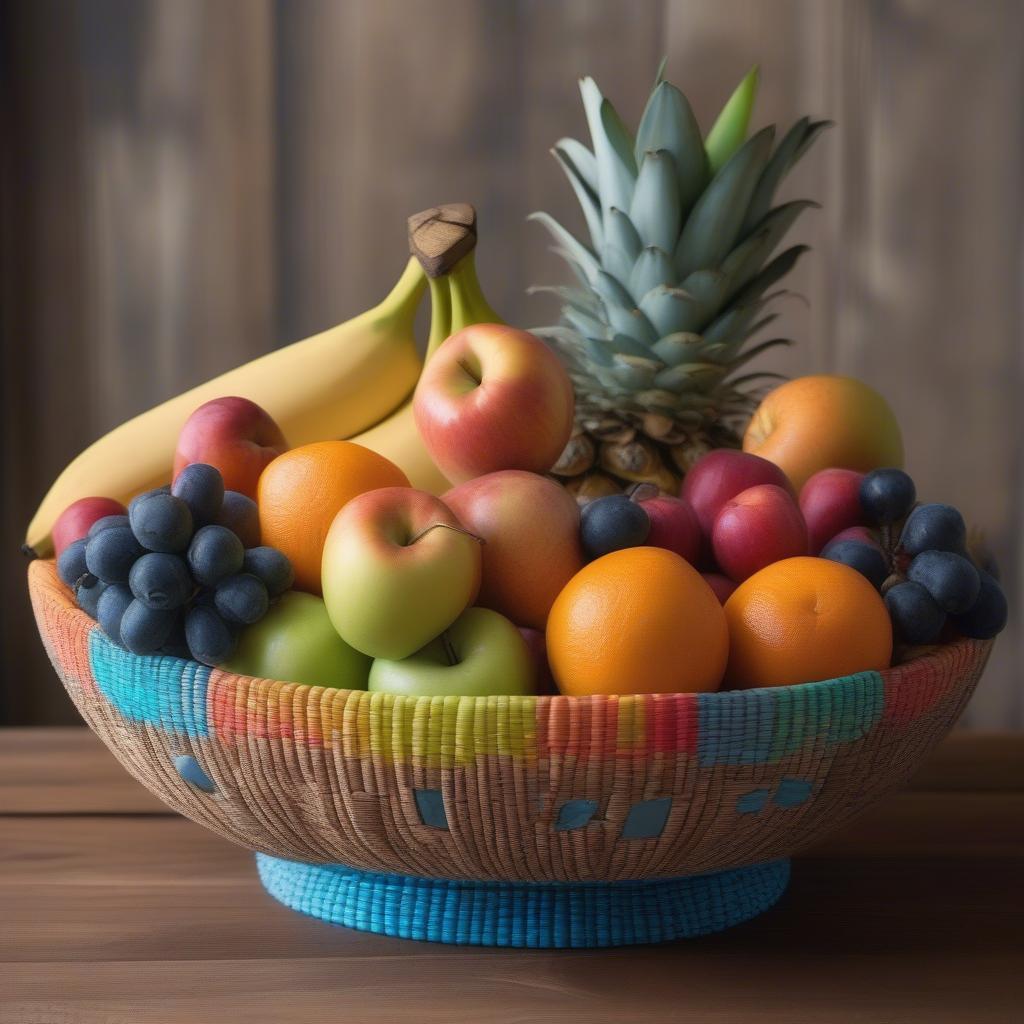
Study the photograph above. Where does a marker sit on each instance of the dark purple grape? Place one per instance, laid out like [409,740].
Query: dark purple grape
[240,515]
[934,528]
[111,553]
[201,487]
[242,599]
[214,554]
[613,523]
[987,616]
[71,565]
[208,636]
[867,560]
[106,523]
[88,593]
[950,578]
[272,567]
[886,496]
[161,581]
[915,616]
[176,646]
[110,609]
[144,629]
[161,522]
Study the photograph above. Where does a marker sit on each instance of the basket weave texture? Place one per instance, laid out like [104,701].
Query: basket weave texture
[532,789]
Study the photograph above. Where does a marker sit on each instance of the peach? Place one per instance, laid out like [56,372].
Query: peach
[74,522]
[531,532]
[492,398]
[720,475]
[674,526]
[536,644]
[721,585]
[823,421]
[830,502]
[233,434]
[761,525]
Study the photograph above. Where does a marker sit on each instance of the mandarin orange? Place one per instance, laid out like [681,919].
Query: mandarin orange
[802,620]
[301,492]
[640,620]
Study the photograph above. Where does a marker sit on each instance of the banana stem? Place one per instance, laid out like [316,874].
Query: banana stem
[457,301]
[440,313]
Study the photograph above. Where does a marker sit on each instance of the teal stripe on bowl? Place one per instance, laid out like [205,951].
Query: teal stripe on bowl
[166,692]
[762,726]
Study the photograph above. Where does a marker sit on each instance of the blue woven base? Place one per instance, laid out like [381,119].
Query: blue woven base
[538,916]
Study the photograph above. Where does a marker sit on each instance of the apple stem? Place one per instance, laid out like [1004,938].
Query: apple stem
[446,526]
[643,492]
[449,650]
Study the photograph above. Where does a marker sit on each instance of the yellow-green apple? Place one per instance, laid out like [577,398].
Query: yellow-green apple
[674,526]
[721,585]
[74,522]
[830,502]
[722,474]
[233,434]
[823,421]
[759,526]
[398,569]
[480,655]
[493,397]
[531,532]
[296,643]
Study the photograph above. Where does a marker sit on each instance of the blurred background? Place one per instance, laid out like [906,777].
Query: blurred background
[189,183]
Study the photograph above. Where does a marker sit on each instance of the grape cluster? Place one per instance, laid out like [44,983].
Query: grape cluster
[182,573]
[935,582]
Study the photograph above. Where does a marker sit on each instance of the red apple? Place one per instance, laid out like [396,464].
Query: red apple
[537,647]
[491,398]
[720,475]
[721,585]
[531,531]
[74,522]
[674,526]
[236,436]
[830,502]
[759,526]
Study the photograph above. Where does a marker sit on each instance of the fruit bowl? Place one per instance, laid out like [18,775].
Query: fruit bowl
[518,821]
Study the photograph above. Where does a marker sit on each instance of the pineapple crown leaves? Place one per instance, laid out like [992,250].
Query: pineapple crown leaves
[675,273]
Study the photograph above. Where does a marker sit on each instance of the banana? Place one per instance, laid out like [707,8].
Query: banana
[331,385]
[456,301]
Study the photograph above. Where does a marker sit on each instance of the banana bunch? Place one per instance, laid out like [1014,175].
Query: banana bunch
[352,381]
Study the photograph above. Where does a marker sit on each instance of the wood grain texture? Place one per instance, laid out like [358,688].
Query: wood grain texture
[193,183]
[910,915]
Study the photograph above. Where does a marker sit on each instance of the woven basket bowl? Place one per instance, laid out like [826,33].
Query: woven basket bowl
[505,789]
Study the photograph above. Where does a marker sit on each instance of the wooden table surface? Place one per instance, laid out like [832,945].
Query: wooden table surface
[113,909]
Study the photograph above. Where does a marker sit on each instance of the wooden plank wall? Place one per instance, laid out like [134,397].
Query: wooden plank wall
[190,183]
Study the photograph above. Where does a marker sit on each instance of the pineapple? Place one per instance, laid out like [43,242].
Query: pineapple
[672,285]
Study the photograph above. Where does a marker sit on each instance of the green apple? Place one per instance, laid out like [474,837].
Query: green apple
[481,655]
[296,643]
[398,569]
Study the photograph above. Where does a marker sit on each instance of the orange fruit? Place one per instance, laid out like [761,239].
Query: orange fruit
[640,620]
[802,620]
[824,422]
[301,492]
